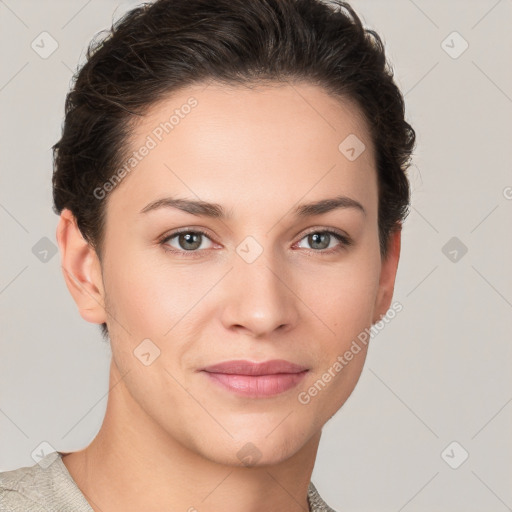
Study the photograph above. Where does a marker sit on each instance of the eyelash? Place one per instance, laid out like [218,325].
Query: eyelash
[345,240]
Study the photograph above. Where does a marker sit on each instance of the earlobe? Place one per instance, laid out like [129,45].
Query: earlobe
[81,269]
[388,274]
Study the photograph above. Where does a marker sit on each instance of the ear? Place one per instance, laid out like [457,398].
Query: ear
[389,267]
[81,269]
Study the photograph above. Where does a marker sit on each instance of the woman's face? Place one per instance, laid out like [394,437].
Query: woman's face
[263,282]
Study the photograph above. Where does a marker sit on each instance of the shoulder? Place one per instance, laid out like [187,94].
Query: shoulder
[44,487]
[316,503]
[23,489]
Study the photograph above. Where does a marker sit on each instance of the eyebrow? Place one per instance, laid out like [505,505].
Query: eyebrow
[214,210]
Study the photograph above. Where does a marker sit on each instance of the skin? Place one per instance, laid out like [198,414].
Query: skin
[170,438]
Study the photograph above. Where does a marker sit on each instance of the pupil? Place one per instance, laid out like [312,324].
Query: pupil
[188,239]
[316,237]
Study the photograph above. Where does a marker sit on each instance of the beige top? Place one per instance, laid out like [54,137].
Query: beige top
[48,487]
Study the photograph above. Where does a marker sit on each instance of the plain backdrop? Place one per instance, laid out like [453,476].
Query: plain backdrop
[428,425]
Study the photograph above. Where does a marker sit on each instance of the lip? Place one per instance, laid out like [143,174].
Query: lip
[256,380]
[243,367]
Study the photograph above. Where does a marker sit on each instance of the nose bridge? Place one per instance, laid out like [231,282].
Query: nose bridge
[259,275]
[258,298]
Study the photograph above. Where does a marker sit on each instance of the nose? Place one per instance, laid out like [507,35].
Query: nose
[258,297]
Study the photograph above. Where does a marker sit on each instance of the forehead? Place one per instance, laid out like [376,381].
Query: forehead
[262,142]
[299,110]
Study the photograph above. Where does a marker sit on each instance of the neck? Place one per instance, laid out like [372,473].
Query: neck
[133,464]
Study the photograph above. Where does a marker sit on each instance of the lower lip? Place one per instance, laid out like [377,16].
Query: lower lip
[257,386]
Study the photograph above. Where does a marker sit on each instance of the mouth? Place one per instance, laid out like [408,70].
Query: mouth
[256,380]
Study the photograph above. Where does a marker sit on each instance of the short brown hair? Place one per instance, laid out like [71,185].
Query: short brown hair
[161,46]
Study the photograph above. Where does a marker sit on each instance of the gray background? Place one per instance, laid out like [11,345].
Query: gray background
[438,373]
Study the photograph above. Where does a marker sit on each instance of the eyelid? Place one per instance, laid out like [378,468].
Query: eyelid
[344,241]
[175,232]
[320,229]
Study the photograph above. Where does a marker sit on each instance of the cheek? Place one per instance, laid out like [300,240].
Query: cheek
[342,295]
[148,294]
[344,299]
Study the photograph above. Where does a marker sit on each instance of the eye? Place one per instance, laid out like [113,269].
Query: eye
[191,241]
[185,240]
[324,241]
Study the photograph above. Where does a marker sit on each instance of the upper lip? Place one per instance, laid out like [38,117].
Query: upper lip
[242,367]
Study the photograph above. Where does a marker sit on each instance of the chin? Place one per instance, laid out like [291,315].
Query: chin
[259,449]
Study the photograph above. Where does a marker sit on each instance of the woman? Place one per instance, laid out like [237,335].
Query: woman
[231,188]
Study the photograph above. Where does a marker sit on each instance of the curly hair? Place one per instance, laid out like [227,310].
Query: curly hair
[166,45]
